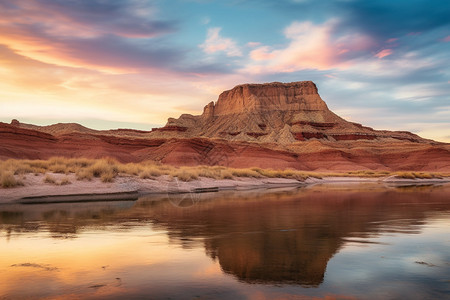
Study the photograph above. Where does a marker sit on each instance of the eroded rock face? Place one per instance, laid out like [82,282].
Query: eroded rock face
[272,125]
[276,112]
[250,98]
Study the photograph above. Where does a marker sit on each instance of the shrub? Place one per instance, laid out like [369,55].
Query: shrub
[108,176]
[59,168]
[99,167]
[226,174]
[104,166]
[130,169]
[38,164]
[150,173]
[84,174]
[50,179]
[65,181]
[38,171]
[8,180]
[22,168]
[406,175]
[145,175]
[245,173]
[184,175]
[208,172]
[153,171]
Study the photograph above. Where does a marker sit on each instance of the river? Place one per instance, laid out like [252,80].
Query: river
[358,241]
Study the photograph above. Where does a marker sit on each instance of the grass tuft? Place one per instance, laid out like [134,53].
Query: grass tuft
[84,174]
[108,176]
[8,180]
[65,181]
[185,175]
[50,179]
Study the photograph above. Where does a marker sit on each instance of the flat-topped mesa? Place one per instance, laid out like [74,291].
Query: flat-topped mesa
[247,98]
[281,113]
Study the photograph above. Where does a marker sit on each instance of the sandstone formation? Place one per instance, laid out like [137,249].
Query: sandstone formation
[272,125]
[273,113]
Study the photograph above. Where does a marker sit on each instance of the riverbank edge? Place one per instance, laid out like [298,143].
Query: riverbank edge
[35,190]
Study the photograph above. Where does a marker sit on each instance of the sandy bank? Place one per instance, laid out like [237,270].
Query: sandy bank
[131,187]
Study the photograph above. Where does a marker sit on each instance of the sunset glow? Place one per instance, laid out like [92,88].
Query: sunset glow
[134,63]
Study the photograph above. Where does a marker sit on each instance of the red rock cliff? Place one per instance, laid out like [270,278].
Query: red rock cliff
[294,96]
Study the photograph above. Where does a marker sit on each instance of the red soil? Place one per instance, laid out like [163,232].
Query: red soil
[402,155]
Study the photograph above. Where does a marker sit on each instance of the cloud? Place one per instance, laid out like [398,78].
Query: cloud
[216,43]
[111,36]
[104,53]
[310,47]
[38,91]
[139,60]
[262,53]
[384,53]
[382,19]
[253,44]
[126,18]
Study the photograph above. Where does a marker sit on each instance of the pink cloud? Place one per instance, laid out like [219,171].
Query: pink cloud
[253,44]
[446,39]
[310,47]
[62,35]
[215,43]
[391,40]
[262,53]
[384,53]
[60,20]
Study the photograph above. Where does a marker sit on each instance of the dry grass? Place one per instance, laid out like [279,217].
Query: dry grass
[7,180]
[107,169]
[65,181]
[186,175]
[108,176]
[368,173]
[287,173]
[84,174]
[150,173]
[419,175]
[50,179]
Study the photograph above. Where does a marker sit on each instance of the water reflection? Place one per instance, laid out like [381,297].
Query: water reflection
[276,238]
[289,237]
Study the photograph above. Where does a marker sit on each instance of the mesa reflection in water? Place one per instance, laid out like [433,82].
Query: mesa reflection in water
[280,237]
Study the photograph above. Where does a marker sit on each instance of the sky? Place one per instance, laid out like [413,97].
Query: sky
[134,63]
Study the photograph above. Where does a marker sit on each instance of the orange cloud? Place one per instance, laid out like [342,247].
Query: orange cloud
[31,89]
[74,36]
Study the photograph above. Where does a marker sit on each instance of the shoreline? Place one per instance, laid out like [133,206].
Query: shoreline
[35,190]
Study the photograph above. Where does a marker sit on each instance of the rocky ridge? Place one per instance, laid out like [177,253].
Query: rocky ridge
[274,112]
